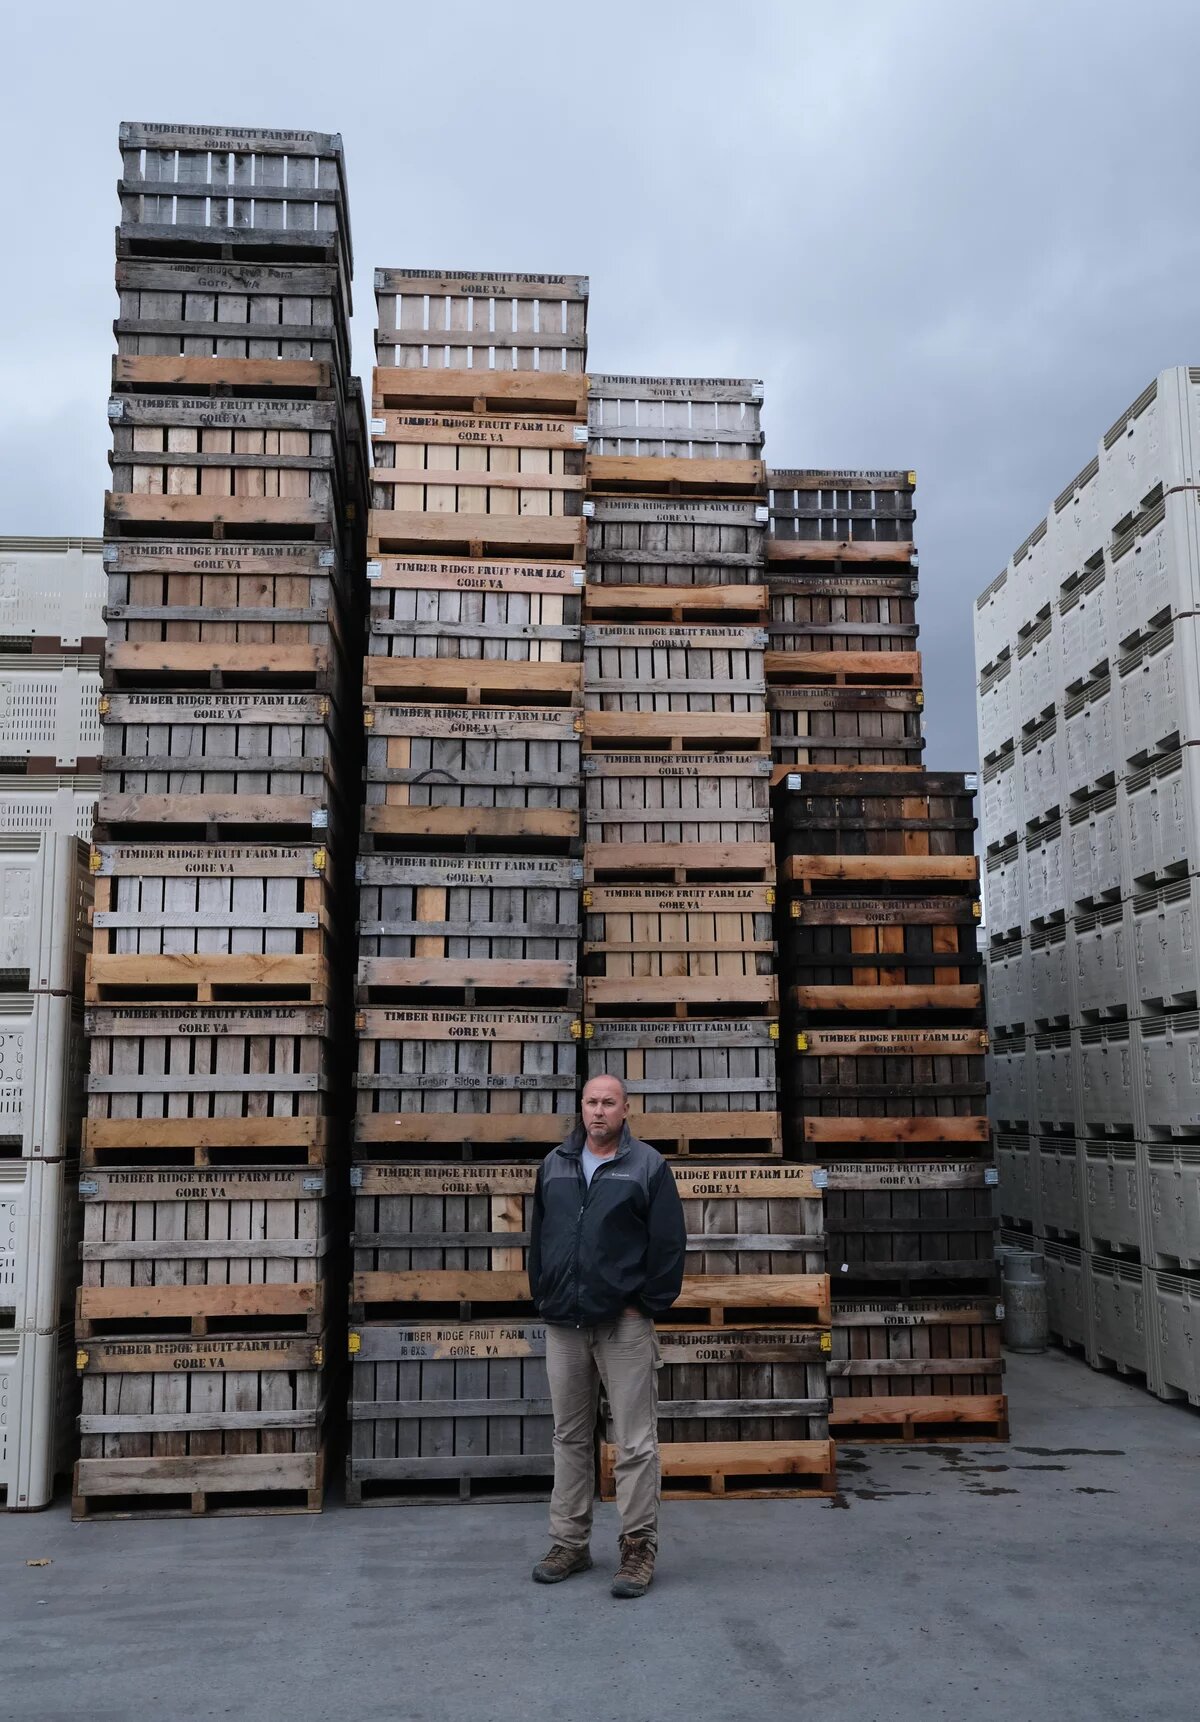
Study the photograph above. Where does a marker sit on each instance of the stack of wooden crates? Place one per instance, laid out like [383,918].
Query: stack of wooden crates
[883,1062]
[469,873]
[213,989]
[680,994]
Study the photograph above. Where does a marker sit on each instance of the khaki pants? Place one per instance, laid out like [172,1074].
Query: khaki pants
[624,1355]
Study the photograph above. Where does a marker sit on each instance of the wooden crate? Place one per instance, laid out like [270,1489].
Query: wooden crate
[908,1230]
[226,613]
[706,1086]
[229,761]
[636,931]
[167,1078]
[657,542]
[650,794]
[205,308]
[735,1470]
[904,1349]
[477,323]
[459,907]
[516,612]
[189,187]
[715,1300]
[845,727]
[229,1251]
[741,1219]
[437,1080]
[906,814]
[880,942]
[503,778]
[705,668]
[815,613]
[739,1384]
[458,1412]
[471,463]
[699,418]
[674,475]
[892,1086]
[841,516]
[236,446]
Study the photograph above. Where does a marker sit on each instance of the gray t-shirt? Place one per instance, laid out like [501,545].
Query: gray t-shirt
[591,1161]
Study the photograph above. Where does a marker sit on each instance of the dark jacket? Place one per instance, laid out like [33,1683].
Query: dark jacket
[619,1241]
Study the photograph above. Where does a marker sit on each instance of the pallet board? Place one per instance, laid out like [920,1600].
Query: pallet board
[735,1470]
[690,606]
[740,1218]
[668,542]
[716,1300]
[715,1066]
[432,319]
[454,682]
[674,475]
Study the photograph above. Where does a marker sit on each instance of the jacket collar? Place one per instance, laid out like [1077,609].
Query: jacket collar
[575,1141]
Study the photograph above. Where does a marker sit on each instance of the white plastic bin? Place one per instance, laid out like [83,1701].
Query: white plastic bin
[45,895]
[1083,626]
[1004,891]
[1161,819]
[1153,717]
[1105,1055]
[994,625]
[1169,1073]
[42,1058]
[1094,850]
[1110,1187]
[39,1234]
[1089,750]
[1041,775]
[1054,1078]
[1100,961]
[1017,1196]
[1119,1305]
[1060,1187]
[1038,677]
[1177,1332]
[1008,1004]
[65,804]
[38,1396]
[1045,874]
[52,593]
[1078,526]
[1173,1177]
[997,709]
[1050,975]
[1166,966]
[1009,1070]
[50,710]
[1066,1293]
[1000,801]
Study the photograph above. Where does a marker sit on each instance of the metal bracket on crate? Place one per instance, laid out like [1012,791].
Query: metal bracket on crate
[320,818]
[88,1186]
[589,511]
[820,1179]
[374,570]
[116,410]
[579,433]
[356,1176]
[991,1176]
[762,514]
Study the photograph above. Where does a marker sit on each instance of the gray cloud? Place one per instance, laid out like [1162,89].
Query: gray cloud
[956,237]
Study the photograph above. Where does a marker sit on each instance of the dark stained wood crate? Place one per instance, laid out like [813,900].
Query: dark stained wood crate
[738,1384]
[634,931]
[190,1426]
[909,1239]
[697,418]
[518,612]
[741,1219]
[450,1412]
[665,541]
[894,1072]
[845,515]
[440,1080]
[171,1248]
[482,323]
[842,613]
[914,1348]
[846,727]
[261,612]
[207,308]
[867,949]
[689,668]
[909,814]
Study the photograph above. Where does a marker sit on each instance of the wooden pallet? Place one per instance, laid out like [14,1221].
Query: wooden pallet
[945,870]
[290,519]
[684,476]
[693,606]
[671,542]
[531,328]
[736,1471]
[961,1000]
[470,682]
[930,1131]
[926,1418]
[695,738]
[466,981]
[407,389]
[680,864]
[461,1136]
[740,1218]
[198,1309]
[718,1300]
[471,831]
[205,1141]
[294,380]
[503,537]
[861,669]
[201,1486]
[207,979]
[840,553]
[663,930]
[683,998]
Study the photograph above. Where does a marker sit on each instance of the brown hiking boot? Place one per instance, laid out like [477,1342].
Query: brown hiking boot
[560,1563]
[636,1571]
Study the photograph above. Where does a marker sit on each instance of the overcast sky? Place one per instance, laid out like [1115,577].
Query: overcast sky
[948,235]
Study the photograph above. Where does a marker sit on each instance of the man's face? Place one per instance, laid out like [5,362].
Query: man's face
[605,1110]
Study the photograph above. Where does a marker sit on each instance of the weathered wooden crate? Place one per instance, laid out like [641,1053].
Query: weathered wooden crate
[223,760]
[686,605]
[647,541]
[700,418]
[479,682]
[912,1226]
[698,1087]
[674,475]
[459,1412]
[850,516]
[254,613]
[713,1300]
[474,464]
[193,308]
[666,778]
[179,1426]
[845,727]
[468,907]
[210,899]
[638,931]
[741,1219]
[500,777]
[518,612]
[466,1082]
[738,1384]
[188,186]
[171,1249]
[815,613]
[904,814]
[869,941]
[735,1470]
[705,668]
[482,322]
[917,1369]
[920,1086]
[242,1078]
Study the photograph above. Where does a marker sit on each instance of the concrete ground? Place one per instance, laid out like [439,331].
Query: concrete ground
[1049,1580]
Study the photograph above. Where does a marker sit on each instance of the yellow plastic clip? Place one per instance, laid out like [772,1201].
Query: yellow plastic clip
[920,700]
[773,1031]
[82,1359]
[576,1030]
[577,726]
[977,911]
[794,909]
[587,899]
[589,1029]
[368,718]
[95,861]
[323,707]
[826,1342]
[801,1043]
[770,896]
[360,1020]
[318,1355]
[103,705]
[984,1040]
[912,479]
[320,860]
[354,1343]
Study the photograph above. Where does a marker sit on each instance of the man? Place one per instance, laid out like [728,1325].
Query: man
[605,1257]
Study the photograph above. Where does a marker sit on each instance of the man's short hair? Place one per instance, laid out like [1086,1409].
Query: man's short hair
[608,1077]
